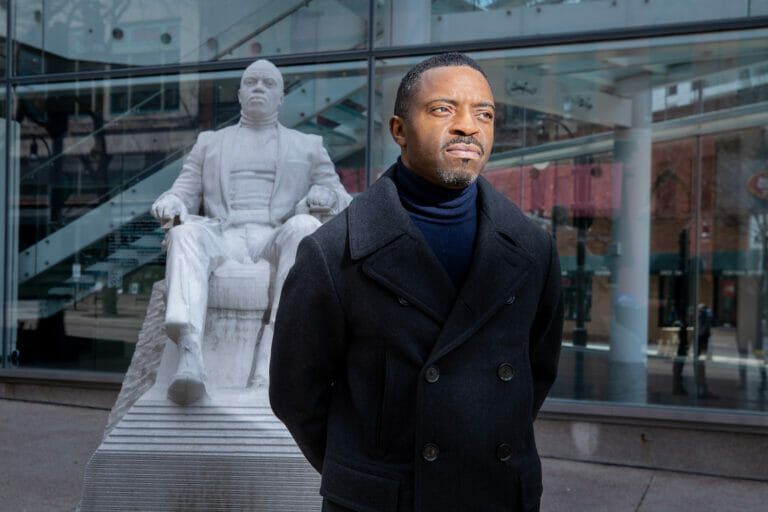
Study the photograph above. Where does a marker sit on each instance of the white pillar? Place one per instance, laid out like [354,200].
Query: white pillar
[407,22]
[631,255]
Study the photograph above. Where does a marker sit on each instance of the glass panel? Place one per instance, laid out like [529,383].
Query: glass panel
[647,161]
[55,36]
[95,155]
[3,30]
[407,22]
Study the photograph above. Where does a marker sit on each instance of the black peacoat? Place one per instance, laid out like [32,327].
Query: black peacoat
[405,393]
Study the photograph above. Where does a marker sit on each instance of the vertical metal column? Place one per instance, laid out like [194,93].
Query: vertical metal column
[5,199]
[371,62]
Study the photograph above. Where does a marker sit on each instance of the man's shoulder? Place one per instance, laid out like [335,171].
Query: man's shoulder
[331,238]
[366,216]
[510,220]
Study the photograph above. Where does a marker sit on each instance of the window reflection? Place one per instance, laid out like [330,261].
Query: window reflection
[54,36]
[400,22]
[649,168]
[94,155]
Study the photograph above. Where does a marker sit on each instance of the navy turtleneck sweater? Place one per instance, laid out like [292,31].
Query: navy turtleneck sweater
[446,217]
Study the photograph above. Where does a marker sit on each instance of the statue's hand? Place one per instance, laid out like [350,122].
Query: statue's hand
[167,208]
[321,198]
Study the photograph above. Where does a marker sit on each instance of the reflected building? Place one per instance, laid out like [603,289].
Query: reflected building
[634,131]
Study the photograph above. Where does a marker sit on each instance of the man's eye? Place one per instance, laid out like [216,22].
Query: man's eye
[486,115]
[270,83]
[440,109]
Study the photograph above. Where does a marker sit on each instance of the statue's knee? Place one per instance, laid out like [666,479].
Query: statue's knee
[185,234]
[301,224]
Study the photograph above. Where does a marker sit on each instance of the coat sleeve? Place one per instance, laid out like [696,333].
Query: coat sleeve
[306,348]
[547,331]
[189,184]
[324,173]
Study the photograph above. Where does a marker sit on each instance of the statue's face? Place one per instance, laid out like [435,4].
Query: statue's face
[261,89]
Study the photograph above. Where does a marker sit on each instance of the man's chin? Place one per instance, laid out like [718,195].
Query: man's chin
[452,178]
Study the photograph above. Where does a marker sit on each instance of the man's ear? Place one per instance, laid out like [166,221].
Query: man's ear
[397,129]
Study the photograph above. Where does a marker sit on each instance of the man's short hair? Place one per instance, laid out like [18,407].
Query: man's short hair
[409,85]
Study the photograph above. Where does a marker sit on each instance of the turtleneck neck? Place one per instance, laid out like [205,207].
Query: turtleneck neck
[446,217]
[424,198]
[257,124]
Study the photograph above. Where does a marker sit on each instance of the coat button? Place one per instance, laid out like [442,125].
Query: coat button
[504,452]
[505,372]
[403,302]
[510,299]
[432,374]
[430,452]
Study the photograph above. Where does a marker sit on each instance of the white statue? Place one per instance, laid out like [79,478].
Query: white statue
[245,193]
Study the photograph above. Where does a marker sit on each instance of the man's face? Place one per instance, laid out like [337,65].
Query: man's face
[261,90]
[447,135]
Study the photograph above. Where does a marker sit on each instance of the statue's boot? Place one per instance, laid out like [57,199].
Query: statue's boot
[261,373]
[188,384]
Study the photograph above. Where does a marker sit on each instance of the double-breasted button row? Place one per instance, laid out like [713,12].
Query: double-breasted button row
[505,372]
[430,452]
[432,374]
[504,452]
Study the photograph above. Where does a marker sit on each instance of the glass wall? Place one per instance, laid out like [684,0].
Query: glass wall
[94,155]
[415,22]
[646,158]
[3,38]
[53,36]
[647,161]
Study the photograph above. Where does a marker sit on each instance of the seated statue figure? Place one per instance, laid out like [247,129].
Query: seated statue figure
[244,193]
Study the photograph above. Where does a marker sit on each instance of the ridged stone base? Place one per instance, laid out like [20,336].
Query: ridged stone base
[206,457]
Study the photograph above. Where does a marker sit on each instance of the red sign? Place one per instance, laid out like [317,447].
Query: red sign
[729,288]
[757,185]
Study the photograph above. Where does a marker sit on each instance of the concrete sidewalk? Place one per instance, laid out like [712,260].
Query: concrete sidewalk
[44,450]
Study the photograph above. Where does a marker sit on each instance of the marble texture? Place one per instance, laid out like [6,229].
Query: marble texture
[192,428]
[246,195]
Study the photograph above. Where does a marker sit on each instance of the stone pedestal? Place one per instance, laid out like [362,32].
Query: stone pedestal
[233,455]
[225,452]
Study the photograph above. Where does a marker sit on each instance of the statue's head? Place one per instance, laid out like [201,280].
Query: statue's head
[261,90]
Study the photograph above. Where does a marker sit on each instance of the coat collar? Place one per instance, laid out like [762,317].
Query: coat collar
[395,251]
[398,257]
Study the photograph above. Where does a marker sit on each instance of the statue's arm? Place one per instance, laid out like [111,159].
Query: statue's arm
[307,350]
[326,189]
[187,190]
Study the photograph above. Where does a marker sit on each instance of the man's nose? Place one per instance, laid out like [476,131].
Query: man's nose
[464,123]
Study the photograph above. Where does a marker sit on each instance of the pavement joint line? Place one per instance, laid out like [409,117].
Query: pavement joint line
[645,491]
[657,469]
[60,404]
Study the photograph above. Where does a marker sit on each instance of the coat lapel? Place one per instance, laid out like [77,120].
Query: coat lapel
[283,143]
[397,255]
[499,267]
[225,148]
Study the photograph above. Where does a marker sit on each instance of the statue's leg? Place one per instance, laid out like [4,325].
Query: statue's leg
[193,252]
[280,251]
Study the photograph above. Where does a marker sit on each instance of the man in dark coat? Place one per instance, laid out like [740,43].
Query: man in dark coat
[419,331]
